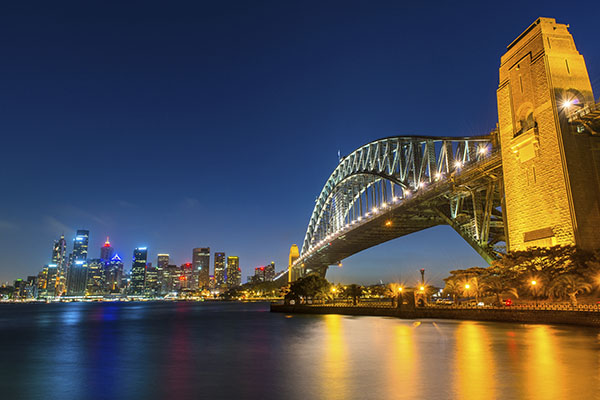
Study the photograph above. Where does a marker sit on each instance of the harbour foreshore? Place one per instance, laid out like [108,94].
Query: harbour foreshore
[562,317]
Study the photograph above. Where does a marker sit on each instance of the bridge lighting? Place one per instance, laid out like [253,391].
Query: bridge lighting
[422,185]
[406,193]
[359,218]
[438,176]
[374,209]
[533,283]
[483,150]
[388,223]
[457,164]
[422,288]
[567,104]
[467,286]
[384,205]
[395,199]
[400,289]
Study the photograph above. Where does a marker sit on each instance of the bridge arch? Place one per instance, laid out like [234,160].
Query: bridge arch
[441,180]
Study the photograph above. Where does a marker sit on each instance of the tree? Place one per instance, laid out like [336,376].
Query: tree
[570,285]
[353,291]
[498,286]
[453,289]
[307,287]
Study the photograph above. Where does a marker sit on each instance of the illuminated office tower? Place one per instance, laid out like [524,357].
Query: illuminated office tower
[234,273]
[138,271]
[106,251]
[151,287]
[96,278]
[219,269]
[187,277]
[114,274]
[162,273]
[77,276]
[59,258]
[52,278]
[269,272]
[201,262]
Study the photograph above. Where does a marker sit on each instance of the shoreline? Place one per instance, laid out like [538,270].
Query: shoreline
[554,317]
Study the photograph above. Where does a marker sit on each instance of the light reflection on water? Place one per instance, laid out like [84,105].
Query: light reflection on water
[223,351]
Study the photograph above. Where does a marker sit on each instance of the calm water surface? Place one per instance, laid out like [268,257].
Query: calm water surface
[228,351]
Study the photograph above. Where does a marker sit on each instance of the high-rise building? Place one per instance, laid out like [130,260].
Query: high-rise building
[77,276]
[162,273]
[219,269]
[151,288]
[201,262]
[114,274]
[96,279]
[106,251]
[80,245]
[187,277]
[270,272]
[138,271]
[172,282]
[52,278]
[234,273]
[59,257]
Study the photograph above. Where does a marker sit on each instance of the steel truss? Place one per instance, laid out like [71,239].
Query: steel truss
[455,181]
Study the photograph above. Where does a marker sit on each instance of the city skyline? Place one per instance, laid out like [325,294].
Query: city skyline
[339,86]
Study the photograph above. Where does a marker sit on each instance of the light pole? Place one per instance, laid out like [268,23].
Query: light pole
[467,287]
[400,299]
[533,287]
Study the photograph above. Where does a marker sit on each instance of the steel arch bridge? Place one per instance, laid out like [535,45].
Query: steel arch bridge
[399,185]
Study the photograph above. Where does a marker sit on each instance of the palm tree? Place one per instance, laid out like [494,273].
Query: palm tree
[354,291]
[498,286]
[570,285]
[453,288]
[393,290]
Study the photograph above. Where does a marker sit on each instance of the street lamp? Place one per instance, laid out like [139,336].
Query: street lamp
[399,297]
[533,283]
[467,287]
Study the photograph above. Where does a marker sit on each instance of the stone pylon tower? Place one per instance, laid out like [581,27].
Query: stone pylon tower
[552,188]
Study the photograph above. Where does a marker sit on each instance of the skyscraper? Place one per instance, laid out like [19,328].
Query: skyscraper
[96,278]
[138,271]
[219,269]
[56,279]
[234,273]
[77,276]
[162,273]
[269,272]
[201,262]
[114,274]
[106,251]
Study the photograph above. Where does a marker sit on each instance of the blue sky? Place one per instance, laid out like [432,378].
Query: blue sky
[176,125]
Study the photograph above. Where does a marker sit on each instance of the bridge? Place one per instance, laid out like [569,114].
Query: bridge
[533,181]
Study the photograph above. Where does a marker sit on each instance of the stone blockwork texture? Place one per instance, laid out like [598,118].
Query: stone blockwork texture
[550,176]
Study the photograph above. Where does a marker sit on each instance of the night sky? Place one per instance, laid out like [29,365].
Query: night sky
[176,125]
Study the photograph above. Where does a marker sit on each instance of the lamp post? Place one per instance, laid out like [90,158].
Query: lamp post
[467,287]
[533,287]
[400,299]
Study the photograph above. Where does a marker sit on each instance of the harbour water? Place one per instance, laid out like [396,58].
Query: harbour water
[185,350]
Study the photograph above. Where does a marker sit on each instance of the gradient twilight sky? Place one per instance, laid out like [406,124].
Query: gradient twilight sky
[187,124]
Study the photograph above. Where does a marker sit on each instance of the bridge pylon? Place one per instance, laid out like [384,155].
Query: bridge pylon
[550,170]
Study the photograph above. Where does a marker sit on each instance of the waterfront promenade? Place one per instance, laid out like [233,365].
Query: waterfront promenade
[583,315]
